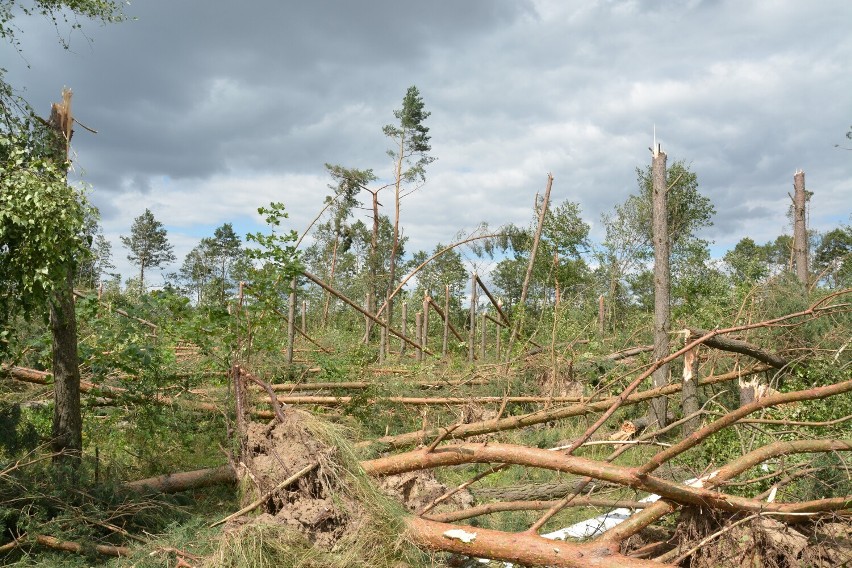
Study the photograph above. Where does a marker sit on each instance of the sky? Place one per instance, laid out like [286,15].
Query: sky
[207,110]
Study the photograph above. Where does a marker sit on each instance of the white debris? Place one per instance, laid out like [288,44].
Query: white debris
[462,535]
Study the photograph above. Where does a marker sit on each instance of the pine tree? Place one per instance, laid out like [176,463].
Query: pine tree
[148,245]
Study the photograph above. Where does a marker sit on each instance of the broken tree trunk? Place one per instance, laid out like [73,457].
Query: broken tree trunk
[545,203]
[800,230]
[361,310]
[523,548]
[548,415]
[67,434]
[689,395]
[471,335]
[662,280]
[446,317]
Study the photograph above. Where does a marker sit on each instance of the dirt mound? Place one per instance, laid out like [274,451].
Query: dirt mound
[418,489]
[318,505]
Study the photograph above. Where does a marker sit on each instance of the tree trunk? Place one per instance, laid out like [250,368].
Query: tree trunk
[689,392]
[528,276]
[662,281]
[372,268]
[800,230]
[418,335]
[395,246]
[67,435]
[330,280]
[403,327]
[445,337]
[425,334]
[67,440]
[291,322]
[472,332]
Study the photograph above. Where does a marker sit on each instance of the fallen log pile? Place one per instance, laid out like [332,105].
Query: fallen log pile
[301,475]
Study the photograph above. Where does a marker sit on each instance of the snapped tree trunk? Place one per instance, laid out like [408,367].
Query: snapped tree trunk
[689,393]
[662,280]
[800,230]
[528,276]
[67,434]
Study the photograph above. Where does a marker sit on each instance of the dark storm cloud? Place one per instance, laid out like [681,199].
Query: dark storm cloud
[217,107]
[192,88]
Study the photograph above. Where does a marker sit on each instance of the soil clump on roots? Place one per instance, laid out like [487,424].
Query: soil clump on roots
[330,516]
[760,542]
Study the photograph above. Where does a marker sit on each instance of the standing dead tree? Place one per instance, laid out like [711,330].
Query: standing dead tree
[800,229]
[662,279]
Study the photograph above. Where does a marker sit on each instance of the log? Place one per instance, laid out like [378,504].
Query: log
[738,346]
[68,546]
[502,506]
[532,492]
[542,416]
[335,400]
[520,548]
[459,454]
[183,481]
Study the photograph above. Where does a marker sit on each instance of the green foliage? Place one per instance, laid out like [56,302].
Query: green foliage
[208,270]
[41,228]
[444,270]
[276,250]
[833,257]
[748,261]
[559,262]
[63,12]
[18,435]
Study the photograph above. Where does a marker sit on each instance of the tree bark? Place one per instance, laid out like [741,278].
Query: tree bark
[689,393]
[800,230]
[372,267]
[395,246]
[330,281]
[291,322]
[521,548]
[67,435]
[446,317]
[531,492]
[471,336]
[662,281]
